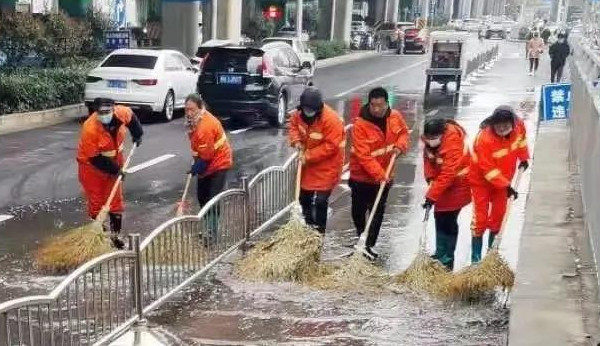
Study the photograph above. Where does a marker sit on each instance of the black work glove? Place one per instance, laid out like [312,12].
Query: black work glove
[523,165]
[137,141]
[512,193]
[428,204]
[121,174]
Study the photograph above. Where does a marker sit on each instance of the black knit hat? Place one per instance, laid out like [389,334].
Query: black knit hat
[312,98]
[434,127]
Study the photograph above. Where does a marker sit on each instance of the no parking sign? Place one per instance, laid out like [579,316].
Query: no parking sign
[556,101]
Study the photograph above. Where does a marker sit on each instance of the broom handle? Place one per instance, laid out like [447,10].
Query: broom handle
[379,194]
[113,192]
[424,235]
[298,177]
[187,187]
[509,204]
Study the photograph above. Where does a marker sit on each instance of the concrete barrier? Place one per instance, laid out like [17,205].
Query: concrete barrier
[26,121]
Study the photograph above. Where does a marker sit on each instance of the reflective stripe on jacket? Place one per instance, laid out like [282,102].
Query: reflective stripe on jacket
[494,158]
[96,139]
[372,150]
[447,166]
[208,142]
[324,142]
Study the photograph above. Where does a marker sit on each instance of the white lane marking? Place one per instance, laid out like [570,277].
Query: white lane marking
[5,217]
[373,81]
[150,163]
[235,132]
[433,112]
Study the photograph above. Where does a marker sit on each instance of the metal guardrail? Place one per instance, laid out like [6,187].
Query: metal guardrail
[479,62]
[584,139]
[107,295]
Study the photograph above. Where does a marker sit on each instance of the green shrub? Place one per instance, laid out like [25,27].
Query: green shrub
[327,49]
[26,90]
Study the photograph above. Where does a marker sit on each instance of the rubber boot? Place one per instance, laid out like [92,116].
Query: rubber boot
[209,236]
[116,223]
[441,247]
[491,240]
[476,245]
[452,238]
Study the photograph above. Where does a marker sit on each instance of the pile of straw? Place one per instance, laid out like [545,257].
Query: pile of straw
[292,254]
[425,275]
[66,252]
[353,274]
[476,281]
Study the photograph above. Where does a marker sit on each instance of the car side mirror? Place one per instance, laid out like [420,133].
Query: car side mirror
[306,65]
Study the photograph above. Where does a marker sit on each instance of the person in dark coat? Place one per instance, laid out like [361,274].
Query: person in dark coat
[559,51]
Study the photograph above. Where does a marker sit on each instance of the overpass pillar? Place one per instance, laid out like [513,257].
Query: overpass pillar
[228,21]
[182,36]
[342,20]
[387,10]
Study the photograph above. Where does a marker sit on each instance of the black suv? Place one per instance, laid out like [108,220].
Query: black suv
[247,84]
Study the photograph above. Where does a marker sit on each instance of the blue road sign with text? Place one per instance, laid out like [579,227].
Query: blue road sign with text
[556,101]
[116,39]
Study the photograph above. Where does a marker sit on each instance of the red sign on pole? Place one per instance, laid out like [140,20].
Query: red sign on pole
[273,13]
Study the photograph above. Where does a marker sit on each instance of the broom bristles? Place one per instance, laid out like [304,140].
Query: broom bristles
[351,274]
[292,254]
[68,251]
[477,280]
[425,275]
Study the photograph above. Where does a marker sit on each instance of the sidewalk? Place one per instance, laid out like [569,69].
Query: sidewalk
[553,293]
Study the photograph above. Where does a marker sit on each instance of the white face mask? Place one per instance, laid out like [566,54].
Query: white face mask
[504,133]
[309,113]
[434,143]
[106,118]
[561,40]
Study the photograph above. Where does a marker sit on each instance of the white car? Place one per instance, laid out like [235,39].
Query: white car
[303,52]
[157,81]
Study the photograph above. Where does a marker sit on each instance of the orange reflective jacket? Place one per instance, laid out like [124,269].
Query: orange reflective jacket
[447,167]
[494,158]
[372,150]
[209,143]
[96,140]
[324,143]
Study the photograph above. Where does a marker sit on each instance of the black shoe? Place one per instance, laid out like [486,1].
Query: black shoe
[117,242]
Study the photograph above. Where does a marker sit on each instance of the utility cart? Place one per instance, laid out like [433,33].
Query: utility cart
[448,58]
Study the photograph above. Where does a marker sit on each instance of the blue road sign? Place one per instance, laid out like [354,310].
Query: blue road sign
[116,39]
[556,101]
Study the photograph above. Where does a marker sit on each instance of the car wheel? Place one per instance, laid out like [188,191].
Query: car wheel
[169,107]
[281,116]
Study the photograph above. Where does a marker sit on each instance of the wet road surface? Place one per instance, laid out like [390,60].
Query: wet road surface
[38,186]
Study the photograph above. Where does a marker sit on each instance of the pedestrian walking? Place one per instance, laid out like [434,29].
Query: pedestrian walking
[446,164]
[100,159]
[317,132]
[379,134]
[559,51]
[499,146]
[535,48]
[211,153]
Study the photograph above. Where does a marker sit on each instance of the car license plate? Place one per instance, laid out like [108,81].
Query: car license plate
[117,84]
[230,79]
[409,40]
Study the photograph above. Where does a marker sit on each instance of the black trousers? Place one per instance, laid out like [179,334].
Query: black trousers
[534,63]
[210,186]
[314,208]
[556,71]
[363,199]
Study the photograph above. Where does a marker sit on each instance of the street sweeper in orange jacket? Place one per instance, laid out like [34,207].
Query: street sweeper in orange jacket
[211,153]
[446,163]
[499,146]
[317,132]
[100,158]
[379,134]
